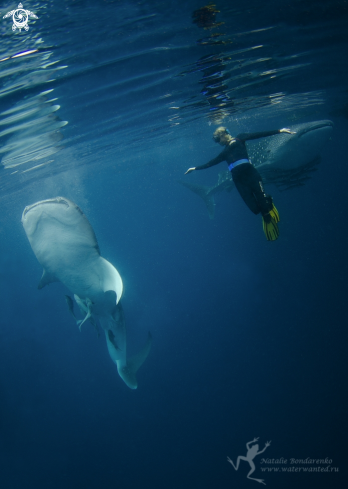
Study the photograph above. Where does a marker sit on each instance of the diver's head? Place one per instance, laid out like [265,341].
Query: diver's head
[222,136]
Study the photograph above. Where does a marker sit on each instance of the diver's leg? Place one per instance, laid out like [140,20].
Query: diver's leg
[242,182]
[269,213]
[263,201]
[249,184]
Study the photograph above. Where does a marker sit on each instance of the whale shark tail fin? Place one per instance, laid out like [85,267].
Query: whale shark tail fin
[128,371]
[205,194]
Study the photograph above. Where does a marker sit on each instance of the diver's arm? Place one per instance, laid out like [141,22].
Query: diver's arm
[263,134]
[210,163]
[215,161]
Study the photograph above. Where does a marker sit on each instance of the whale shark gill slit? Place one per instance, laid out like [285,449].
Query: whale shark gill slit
[323,125]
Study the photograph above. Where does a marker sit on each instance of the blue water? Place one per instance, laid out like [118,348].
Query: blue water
[249,336]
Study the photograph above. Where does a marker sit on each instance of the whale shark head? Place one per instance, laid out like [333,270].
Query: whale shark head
[290,151]
[312,132]
[54,218]
[65,244]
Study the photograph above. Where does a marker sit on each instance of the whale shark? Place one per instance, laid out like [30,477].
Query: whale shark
[65,244]
[285,160]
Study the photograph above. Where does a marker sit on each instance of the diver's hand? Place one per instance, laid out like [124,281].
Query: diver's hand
[190,169]
[267,444]
[288,131]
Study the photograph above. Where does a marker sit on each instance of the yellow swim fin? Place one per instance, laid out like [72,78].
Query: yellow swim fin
[274,214]
[270,227]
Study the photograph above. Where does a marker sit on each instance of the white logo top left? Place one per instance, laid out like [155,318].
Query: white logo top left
[20,18]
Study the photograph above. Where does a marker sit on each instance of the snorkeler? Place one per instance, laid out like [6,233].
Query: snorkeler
[251,454]
[245,177]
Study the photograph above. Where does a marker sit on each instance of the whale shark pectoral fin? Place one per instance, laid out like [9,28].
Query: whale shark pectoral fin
[127,372]
[46,279]
[291,178]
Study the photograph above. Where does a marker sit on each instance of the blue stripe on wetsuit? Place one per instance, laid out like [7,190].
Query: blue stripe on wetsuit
[236,163]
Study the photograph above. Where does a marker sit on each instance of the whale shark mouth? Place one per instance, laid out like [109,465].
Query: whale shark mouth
[315,127]
[56,200]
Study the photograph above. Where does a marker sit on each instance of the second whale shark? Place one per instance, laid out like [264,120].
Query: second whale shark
[284,160]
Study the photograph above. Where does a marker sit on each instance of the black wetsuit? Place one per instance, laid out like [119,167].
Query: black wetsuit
[245,177]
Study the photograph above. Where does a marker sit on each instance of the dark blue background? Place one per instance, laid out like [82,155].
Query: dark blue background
[249,337]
